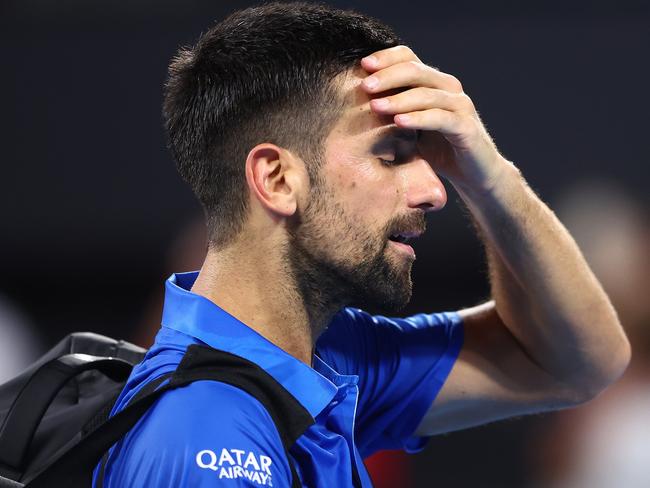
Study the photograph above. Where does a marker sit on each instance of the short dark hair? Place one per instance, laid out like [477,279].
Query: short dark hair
[264,74]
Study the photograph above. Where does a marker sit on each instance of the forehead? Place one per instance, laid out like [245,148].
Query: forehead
[357,119]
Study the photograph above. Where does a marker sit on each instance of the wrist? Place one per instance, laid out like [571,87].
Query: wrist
[504,176]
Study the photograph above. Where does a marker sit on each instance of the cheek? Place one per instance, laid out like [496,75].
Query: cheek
[368,191]
[364,185]
[375,200]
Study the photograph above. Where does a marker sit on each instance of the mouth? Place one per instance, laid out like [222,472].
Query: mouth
[401,239]
[404,237]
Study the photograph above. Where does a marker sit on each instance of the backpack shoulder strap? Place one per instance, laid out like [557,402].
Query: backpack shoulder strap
[75,467]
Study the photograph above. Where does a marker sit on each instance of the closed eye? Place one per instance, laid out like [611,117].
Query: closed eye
[392,160]
[391,151]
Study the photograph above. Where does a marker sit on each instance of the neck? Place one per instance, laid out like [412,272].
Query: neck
[264,294]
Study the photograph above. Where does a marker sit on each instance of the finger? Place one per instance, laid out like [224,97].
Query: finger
[386,57]
[422,98]
[438,119]
[410,73]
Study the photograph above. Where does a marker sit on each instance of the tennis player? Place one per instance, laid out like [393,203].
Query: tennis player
[316,142]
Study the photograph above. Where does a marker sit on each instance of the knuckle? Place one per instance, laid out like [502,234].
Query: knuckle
[455,83]
[416,67]
[465,101]
[404,49]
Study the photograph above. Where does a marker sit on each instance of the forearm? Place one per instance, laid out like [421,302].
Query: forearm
[544,291]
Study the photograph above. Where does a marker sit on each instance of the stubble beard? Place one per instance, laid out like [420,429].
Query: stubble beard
[336,261]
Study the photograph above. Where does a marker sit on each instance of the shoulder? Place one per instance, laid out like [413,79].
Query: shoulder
[359,343]
[348,324]
[350,316]
[198,434]
[353,326]
[202,405]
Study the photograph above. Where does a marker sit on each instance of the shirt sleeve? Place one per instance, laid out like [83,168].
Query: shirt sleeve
[206,434]
[402,364]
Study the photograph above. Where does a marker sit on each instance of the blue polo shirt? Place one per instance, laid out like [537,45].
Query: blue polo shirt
[373,379]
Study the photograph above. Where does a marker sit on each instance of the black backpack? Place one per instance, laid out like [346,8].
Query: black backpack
[54,426]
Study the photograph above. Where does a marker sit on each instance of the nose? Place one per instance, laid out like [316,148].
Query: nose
[423,188]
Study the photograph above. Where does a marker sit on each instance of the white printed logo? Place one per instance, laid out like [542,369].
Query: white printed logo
[237,463]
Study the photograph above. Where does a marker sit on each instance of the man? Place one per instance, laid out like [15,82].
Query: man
[315,142]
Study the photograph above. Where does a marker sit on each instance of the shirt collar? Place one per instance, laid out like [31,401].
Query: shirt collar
[197,316]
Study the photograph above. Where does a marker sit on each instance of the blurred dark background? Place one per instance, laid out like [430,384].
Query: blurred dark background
[93,216]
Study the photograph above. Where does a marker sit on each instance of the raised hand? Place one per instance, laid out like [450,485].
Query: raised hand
[452,137]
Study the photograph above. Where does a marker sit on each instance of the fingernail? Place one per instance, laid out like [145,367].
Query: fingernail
[403,119]
[371,82]
[380,103]
[371,60]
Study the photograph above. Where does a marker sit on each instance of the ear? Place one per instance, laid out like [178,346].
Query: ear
[274,177]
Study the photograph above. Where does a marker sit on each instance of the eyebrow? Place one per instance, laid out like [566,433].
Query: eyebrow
[408,135]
